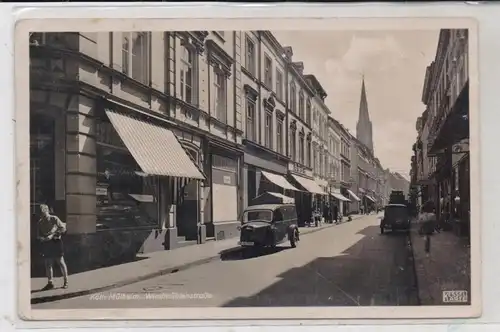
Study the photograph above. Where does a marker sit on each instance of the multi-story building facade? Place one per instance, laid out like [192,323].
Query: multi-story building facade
[422,165]
[335,166]
[380,195]
[304,162]
[144,122]
[446,127]
[365,175]
[333,156]
[320,139]
[346,181]
[265,86]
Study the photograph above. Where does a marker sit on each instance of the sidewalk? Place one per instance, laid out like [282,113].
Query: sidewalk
[154,264]
[446,268]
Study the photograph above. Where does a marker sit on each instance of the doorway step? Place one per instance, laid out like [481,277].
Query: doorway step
[182,242]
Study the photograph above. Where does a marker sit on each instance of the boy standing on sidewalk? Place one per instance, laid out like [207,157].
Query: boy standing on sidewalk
[50,229]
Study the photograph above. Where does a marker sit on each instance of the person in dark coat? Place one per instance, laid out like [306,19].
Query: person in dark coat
[335,213]
[428,222]
[326,212]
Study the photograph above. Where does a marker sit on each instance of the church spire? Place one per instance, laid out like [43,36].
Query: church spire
[364,126]
[363,103]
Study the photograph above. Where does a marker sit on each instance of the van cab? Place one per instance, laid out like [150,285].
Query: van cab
[267,225]
[396,217]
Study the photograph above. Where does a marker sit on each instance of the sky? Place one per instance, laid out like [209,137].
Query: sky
[393,64]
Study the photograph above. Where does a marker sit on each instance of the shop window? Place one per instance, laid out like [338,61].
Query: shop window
[224,163]
[126,197]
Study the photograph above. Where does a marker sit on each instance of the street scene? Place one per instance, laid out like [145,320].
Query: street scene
[361,267]
[243,169]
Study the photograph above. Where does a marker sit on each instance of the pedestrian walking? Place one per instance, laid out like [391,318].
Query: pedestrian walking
[50,229]
[335,213]
[326,212]
[427,221]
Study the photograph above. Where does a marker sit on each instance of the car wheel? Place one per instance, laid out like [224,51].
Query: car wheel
[293,240]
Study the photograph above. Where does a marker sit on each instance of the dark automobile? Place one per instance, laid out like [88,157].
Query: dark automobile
[267,225]
[396,217]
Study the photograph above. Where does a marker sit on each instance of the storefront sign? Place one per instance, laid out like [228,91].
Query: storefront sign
[101,191]
[263,161]
[226,179]
[297,168]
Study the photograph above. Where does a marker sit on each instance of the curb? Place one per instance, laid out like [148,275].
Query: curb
[414,264]
[129,281]
[152,275]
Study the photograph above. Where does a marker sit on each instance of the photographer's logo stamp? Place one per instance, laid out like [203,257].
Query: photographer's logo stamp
[455,296]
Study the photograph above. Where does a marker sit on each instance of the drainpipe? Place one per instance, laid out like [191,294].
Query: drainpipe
[287,138]
[259,77]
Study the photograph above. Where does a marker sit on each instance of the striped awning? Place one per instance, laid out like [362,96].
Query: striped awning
[156,149]
[370,198]
[309,185]
[279,180]
[353,195]
[340,197]
[285,199]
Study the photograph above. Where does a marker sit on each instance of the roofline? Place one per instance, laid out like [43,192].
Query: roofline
[316,81]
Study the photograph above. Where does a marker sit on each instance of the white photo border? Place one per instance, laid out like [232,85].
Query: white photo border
[365,313]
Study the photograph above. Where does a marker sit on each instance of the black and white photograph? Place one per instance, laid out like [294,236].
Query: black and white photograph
[251,168]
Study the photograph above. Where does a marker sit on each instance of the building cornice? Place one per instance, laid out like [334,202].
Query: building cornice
[297,76]
[250,92]
[270,103]
[317,85]
[268,35]
[218,57]
[256,147]
[195,38]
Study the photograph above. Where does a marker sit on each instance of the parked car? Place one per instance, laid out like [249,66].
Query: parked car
[267,225]
[396,217]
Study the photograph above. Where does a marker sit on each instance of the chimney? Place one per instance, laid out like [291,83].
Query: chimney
[288,52]
[300,66]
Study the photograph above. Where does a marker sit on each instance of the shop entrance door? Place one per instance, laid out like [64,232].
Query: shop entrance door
[189,206]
